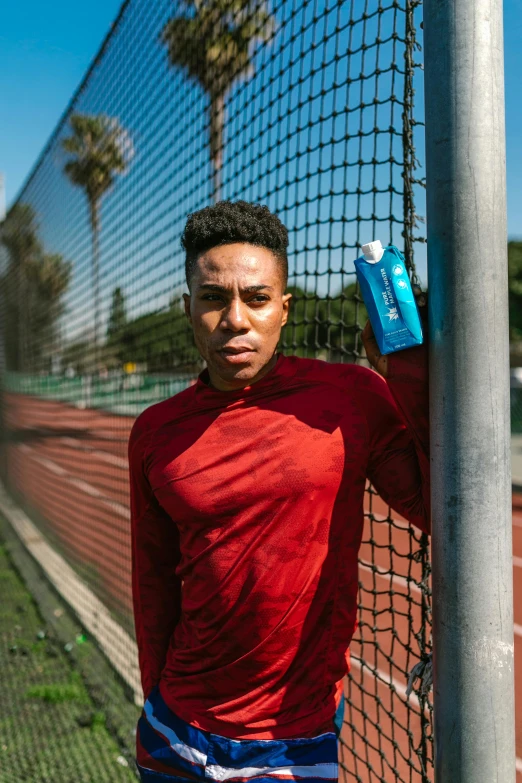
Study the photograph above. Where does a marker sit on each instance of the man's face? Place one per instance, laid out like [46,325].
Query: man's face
[237,307]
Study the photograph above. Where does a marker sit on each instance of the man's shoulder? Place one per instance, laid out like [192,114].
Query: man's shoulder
[155,416]
[348,377]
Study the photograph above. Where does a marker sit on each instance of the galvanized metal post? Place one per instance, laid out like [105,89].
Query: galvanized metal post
[469,392]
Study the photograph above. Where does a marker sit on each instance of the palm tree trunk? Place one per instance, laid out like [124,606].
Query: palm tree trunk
[95,235]
[217,122]
[23,313]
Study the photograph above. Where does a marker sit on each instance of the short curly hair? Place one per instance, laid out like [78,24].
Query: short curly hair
[234,221]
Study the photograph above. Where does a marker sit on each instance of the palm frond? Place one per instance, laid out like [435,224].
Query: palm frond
[214,40]
[100,148]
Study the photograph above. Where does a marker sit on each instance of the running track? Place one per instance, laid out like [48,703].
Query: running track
[70,467]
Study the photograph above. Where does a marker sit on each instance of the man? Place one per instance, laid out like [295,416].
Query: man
[247,514]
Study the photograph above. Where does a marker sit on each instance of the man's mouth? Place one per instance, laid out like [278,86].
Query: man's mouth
[236,348]
[236,354]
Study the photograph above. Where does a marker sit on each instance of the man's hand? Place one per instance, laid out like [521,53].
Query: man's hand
[378,360]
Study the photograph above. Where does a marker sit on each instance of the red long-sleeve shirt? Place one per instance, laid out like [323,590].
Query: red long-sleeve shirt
[247,516]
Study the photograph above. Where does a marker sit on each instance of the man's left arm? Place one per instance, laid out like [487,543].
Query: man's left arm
[398,418]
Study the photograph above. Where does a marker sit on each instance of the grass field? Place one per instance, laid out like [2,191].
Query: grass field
[50,730]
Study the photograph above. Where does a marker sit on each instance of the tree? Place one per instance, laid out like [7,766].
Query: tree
[161,341]
[77,355]
[515,290]
[118,314]
[33,285]
[20,239]
[325,327]
[300,336]
[213,43]
[113,353]
[47,279]
[343,317]
[100,149]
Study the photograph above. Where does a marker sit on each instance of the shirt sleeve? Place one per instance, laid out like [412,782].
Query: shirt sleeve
[156,589]
[398,421]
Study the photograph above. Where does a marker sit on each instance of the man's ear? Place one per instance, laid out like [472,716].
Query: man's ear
[286,308]
[186,302]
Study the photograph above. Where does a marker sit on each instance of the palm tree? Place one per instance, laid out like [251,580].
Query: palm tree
[213,43]
[19,236]
[118,314]
[100,148]
[32,284]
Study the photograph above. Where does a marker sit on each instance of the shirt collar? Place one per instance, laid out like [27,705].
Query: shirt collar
[283,369]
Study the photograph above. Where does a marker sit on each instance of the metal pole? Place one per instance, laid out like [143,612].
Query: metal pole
[469,392]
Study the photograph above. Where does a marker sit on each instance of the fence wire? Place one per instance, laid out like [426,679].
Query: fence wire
[306,106]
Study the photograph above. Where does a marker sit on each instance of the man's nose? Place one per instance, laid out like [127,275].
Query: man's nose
[235,316]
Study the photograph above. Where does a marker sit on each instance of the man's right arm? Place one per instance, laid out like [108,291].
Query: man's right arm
[156,590]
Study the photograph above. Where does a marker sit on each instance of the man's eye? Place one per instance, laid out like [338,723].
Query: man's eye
[259,297]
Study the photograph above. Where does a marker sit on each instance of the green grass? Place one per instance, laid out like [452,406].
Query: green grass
[50,730]
[55,694]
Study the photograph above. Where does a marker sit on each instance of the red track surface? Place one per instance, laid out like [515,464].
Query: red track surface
[70,467]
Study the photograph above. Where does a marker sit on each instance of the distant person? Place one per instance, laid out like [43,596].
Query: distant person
[247,515]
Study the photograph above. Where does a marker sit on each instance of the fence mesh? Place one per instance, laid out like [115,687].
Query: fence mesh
[306,106]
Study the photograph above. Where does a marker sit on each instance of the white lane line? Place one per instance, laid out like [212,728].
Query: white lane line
[367,668]
[53,467]
[104,455]
[380,518]
[382,676]
[102,434]
[118,646]
[118,508]
[124,512]
[81,484]
[107,435]
[399,687]
[408,584]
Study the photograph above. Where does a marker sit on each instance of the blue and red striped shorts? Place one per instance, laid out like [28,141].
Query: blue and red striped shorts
[168,749]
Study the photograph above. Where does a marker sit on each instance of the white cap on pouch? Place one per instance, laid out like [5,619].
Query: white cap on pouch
[373,251]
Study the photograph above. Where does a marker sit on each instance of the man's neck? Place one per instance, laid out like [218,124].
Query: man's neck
[220,385]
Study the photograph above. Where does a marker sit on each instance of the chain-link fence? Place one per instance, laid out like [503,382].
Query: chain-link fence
[306,106]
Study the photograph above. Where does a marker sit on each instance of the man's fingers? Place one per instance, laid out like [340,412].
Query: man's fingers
[369,342]
[421,296]
[373,354]
[367,332]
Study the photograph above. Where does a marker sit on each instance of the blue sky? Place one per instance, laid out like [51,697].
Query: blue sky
[47,47]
